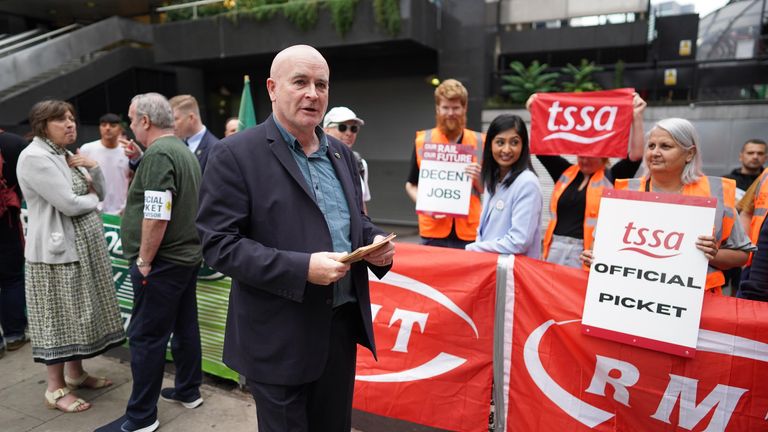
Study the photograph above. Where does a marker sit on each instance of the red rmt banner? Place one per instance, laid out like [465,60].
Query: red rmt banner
[585,124]
[433,323]
[558,379]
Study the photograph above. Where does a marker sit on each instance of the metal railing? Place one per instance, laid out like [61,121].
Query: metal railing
[192,5]
[41,38]
[647,78]
[13,39]
[25,60]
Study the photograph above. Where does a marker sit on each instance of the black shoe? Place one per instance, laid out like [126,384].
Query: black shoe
[168,394]
[124,425]
[18,343]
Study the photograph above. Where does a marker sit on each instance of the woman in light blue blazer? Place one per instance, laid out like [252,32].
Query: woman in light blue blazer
[512,201]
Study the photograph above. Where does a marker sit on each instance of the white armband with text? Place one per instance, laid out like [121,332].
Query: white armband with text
[157,205]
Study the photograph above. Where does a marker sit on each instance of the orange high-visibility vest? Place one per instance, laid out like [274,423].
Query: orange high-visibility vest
[466,227]
[595,187]
[760,210]
[707,186]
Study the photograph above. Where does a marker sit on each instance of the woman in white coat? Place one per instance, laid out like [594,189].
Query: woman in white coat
[71,301]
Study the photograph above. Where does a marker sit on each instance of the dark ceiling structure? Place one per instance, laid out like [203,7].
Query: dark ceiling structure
[80,11]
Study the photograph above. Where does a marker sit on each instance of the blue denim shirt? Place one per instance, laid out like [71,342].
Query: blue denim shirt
[329,196]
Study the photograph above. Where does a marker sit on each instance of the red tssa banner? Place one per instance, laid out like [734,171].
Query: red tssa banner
[584,124]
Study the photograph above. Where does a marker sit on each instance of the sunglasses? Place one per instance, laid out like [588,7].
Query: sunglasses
[343,128]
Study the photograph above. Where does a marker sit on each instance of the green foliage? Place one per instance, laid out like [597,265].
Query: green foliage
[523,82]
[342,14]
[581,77]
[387,15]
[302,13]
[618,74]
[259,10]
[498,102]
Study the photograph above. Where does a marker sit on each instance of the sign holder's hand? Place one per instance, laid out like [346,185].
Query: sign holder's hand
[708,245]
[474,170]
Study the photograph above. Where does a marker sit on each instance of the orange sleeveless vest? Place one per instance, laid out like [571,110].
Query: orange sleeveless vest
[594,191]
[721,188]
[466,228]
[761,209]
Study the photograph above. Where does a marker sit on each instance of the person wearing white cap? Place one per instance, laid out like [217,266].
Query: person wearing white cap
[342,124]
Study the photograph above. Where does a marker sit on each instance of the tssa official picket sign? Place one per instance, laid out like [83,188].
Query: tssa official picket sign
[444,187]
[586,124]
[646,282]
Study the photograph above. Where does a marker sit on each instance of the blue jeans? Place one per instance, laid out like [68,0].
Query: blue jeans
[12,306]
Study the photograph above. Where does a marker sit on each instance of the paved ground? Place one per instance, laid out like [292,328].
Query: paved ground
[22,407]
[226,407]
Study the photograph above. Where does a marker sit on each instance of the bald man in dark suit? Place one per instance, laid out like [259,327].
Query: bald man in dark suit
[280,205]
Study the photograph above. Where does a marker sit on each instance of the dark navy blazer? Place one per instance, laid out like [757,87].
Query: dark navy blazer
[204,148]
[259,223]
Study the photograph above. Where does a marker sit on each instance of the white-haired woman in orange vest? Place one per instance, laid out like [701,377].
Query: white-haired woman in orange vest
[576,196]
[672,164]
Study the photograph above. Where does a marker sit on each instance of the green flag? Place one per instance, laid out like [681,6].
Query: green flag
[247,116]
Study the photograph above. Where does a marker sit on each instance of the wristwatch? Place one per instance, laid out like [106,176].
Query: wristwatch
[141,263]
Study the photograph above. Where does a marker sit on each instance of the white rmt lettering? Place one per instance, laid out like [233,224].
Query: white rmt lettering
[407,320]
[374,311]
[725,397]
[628,376]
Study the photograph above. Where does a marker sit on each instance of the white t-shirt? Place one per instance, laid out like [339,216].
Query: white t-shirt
[117,174]
[364,182]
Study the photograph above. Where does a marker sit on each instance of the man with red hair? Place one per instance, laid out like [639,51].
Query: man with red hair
[451,116]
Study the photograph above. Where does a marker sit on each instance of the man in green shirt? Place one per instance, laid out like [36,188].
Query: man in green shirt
[160,239]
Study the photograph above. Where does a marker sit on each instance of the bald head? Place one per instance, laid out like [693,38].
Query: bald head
[298,88]
[292,54]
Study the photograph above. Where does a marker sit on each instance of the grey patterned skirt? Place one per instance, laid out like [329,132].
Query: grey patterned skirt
[72,307]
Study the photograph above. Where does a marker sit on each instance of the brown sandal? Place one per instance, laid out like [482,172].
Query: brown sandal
[51,399]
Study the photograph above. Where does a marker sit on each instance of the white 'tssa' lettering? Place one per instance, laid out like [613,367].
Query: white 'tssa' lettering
[603,119]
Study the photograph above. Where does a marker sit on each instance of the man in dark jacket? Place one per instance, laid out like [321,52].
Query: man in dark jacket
[752,157]
[190,128]
[280,206]
[12,300]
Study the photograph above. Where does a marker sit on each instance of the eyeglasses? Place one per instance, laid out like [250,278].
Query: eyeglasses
[343,128]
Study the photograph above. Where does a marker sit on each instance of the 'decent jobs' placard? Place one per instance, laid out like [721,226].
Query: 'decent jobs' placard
[646,283]
[444,187]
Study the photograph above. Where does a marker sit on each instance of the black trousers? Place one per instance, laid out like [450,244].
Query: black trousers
[164,302]
[324,405]
[754,281]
